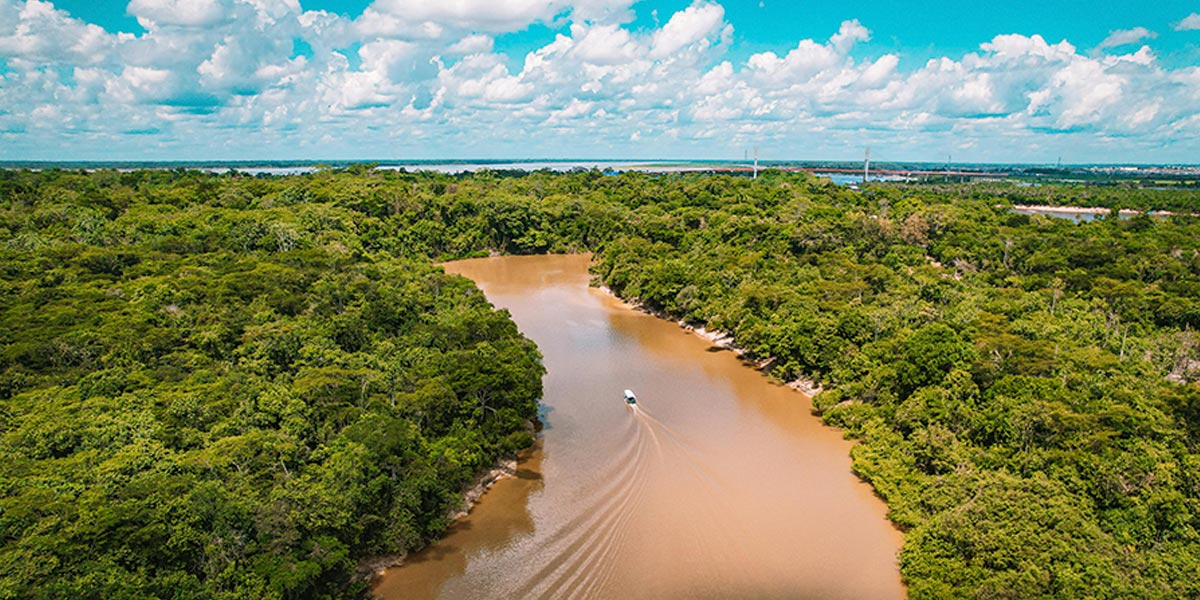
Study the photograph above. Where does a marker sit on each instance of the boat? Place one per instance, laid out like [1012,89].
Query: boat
[629,397]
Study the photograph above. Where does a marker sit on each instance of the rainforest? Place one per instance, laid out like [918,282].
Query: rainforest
[224,386]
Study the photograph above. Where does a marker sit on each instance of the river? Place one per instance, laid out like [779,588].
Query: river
[719,484]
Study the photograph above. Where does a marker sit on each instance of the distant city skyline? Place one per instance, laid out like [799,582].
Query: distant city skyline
[150,80]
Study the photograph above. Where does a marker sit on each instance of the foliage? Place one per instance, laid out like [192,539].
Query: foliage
[200,400]
[1012,379]
[236,386]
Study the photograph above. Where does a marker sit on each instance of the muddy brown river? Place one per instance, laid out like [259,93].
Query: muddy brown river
[718,484]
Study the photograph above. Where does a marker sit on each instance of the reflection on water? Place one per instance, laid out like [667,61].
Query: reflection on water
[718,484]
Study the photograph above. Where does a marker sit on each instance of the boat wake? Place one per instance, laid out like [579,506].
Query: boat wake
[578,559]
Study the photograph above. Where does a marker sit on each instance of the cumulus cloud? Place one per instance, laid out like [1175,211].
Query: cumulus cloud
[604,44]
[698,22]
[421,18]
[472,44]
[1189,23]
[152,14]
[501,14]
[38,33]
[850,33]
[409,77]
[1020,46]
[1125,37]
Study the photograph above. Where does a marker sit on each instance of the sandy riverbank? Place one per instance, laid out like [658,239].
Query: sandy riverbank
[723,339]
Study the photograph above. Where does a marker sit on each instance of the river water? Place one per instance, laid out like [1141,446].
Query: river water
[718,484]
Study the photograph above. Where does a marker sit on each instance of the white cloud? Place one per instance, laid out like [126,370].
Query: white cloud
[423,18]
[850,33]
[39,33]
[1124,37]
[605,11]
[694,24]
[472,44]
[809,61]
[507,90]
[1085,89]
[1143,56]
[395,60]
[604,44]
[1189,23]
[1035,46]
[880,70]
[485,15]
[182,13]
[424,77]
[248,65]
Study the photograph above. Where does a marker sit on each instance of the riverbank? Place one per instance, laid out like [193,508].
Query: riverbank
[724,340]
[717,459]
[504,468]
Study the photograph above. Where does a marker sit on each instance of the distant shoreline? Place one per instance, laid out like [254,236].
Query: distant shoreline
[1098,211]
[1180,168]
[842,172]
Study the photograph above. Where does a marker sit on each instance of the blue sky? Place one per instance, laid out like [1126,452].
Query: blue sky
[323,79]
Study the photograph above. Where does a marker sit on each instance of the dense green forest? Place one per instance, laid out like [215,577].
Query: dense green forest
[1014,380]
[200,400]
[218,385]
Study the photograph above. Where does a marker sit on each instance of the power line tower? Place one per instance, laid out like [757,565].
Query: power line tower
[756,162]
[867,166]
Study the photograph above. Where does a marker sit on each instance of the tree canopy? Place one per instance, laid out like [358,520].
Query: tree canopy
[206,401]
[230,386]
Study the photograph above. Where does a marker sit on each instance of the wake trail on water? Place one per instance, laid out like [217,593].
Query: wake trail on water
[598,560]
[580,551]
[690,455]
[583,553]
[717,507]
[637,411]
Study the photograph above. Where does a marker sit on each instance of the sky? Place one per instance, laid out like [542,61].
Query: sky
[1017,81]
